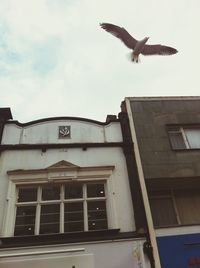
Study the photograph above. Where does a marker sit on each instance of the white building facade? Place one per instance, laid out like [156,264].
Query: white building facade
[65,197]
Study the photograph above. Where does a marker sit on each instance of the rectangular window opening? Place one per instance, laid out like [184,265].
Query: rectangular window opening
[184,137]
[181,207]
[56,208]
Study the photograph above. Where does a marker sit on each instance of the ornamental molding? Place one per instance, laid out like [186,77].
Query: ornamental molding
[60,171]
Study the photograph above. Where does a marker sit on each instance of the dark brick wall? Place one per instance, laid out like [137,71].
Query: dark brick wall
[158,159]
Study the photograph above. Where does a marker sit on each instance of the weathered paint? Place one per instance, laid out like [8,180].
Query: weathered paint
[151,230]
[110,254]
[164,168]
[47,132]
[151,115]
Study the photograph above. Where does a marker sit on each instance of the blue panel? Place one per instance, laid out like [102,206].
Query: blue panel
[179,251]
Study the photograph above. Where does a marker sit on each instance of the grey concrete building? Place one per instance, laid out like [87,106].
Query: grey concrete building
[166,138]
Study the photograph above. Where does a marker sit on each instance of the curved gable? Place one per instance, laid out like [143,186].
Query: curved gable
[47,131]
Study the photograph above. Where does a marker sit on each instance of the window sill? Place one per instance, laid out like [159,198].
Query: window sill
[50,239]
[176,226]
[185,149]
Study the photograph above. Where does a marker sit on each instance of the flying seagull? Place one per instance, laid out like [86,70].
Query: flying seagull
[138,47]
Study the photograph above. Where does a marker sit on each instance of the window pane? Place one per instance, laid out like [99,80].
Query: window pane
[188,206]
[73,190]
[25,220]
[97,217]
[95,190]
[163,211]
[74,221]
[51,192]
[177,140]
[27,194]
[50,219]
[193,137]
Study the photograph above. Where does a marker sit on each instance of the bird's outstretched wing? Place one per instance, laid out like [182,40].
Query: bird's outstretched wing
[158,50]
[120,33]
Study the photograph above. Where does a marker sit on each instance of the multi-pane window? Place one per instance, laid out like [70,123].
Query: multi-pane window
[60,208]
[184,137]
[175,207]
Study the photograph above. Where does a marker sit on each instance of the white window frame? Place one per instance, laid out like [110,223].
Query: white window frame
[181,130]
[169,195]
[172,196]
[61,202]
[101,174]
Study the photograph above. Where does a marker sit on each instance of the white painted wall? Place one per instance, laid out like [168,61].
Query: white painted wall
[81,131]
[106,254]
[47,132]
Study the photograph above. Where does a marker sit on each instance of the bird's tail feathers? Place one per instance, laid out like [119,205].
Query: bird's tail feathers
[133,58]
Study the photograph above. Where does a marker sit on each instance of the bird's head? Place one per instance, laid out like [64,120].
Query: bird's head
[145,40]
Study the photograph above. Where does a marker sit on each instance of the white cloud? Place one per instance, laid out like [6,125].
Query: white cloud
[56,60]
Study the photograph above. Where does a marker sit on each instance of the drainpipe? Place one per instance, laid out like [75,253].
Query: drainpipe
[134,184]
[150,246]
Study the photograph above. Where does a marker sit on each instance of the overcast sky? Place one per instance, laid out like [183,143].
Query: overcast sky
[55,60]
